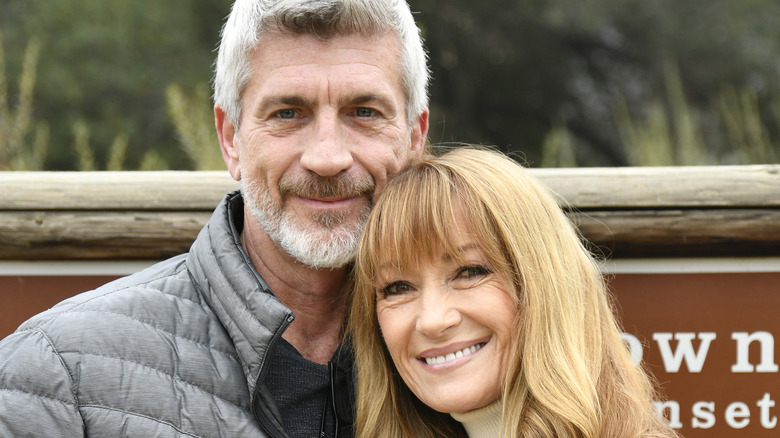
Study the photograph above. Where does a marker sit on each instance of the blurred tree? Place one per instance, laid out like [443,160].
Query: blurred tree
[106,65]
[509,73]
[591,79]
[194,120]
[19,147]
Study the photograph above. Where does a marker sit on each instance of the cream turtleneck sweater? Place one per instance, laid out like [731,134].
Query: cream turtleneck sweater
[483,422]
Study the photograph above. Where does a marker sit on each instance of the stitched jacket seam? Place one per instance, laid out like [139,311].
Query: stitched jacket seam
[172,377]
[136,414]
[73,390]
[149,323]
[36,395]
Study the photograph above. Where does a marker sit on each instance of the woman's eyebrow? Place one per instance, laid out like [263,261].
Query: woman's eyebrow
[469,247]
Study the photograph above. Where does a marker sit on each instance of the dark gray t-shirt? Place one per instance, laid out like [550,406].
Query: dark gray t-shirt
[304,395]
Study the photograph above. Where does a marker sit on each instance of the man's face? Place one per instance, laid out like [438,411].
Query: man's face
[323,128]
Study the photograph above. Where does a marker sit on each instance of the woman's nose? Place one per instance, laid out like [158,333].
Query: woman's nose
[437,313]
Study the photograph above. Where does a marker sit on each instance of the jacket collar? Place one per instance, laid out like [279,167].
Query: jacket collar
[245,305]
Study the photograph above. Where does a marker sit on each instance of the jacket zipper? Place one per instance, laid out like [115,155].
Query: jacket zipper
[265,423]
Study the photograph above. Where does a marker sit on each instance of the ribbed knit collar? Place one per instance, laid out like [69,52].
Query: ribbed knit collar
[483,422]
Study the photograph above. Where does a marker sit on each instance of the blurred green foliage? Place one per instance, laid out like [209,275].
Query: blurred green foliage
[16,121]
[521,74]
[123,84]
[104,68]
[194,123]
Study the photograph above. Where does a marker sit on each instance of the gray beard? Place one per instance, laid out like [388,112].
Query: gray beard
[327,243]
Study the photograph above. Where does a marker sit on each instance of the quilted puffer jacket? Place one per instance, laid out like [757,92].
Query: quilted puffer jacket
[176,350]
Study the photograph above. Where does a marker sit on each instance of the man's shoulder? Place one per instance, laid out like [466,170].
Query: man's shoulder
[122,294]
[138,352]
[160,301]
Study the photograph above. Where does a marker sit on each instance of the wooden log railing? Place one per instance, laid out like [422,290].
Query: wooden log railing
[624,212]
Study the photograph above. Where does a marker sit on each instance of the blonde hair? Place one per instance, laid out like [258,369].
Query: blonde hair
[570,374]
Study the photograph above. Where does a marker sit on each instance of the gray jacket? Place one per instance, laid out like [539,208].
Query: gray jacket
[177,350]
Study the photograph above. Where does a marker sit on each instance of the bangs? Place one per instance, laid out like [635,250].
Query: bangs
[415,220]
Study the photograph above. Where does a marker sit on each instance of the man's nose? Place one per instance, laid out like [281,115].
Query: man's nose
[437,313]
[327,153]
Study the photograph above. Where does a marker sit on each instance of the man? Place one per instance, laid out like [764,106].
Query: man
[317,105]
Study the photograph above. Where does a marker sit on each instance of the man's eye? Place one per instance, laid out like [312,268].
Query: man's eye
[286,114]
[396,288]
[365,112]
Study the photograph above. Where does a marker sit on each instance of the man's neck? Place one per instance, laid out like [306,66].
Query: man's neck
[317,297]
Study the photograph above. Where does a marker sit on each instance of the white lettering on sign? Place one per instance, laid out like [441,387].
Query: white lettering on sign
[768,421]
[634,347]
[694,360]
[736,414]
[744,340]
[703,415]
[691,348]
[669,409]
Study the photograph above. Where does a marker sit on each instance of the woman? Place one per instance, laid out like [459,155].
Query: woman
[496,320]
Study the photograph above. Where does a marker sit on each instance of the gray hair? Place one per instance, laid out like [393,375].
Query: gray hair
[249,20]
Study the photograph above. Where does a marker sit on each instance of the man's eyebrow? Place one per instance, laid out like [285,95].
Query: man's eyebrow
[282,101]
[360,99]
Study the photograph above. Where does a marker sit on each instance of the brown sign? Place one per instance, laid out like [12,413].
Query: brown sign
[709,340]
[708,337]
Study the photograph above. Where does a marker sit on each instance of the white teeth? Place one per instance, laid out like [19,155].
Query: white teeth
[452,356]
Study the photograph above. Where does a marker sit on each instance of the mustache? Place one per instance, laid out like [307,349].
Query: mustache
[313,185]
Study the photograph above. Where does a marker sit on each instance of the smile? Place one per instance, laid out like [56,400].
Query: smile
[330,200]
[456,355]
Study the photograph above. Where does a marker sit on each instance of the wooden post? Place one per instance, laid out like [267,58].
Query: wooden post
[622,212]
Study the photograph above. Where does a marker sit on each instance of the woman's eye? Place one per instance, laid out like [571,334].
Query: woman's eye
[471,272]
[286,114]
[396,288]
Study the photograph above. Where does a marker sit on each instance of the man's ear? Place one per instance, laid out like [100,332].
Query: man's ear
[420,134]
[228,142]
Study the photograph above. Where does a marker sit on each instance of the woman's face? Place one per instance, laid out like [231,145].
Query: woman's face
[449,326]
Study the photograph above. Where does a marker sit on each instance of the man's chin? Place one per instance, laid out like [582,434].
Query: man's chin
[320,247]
